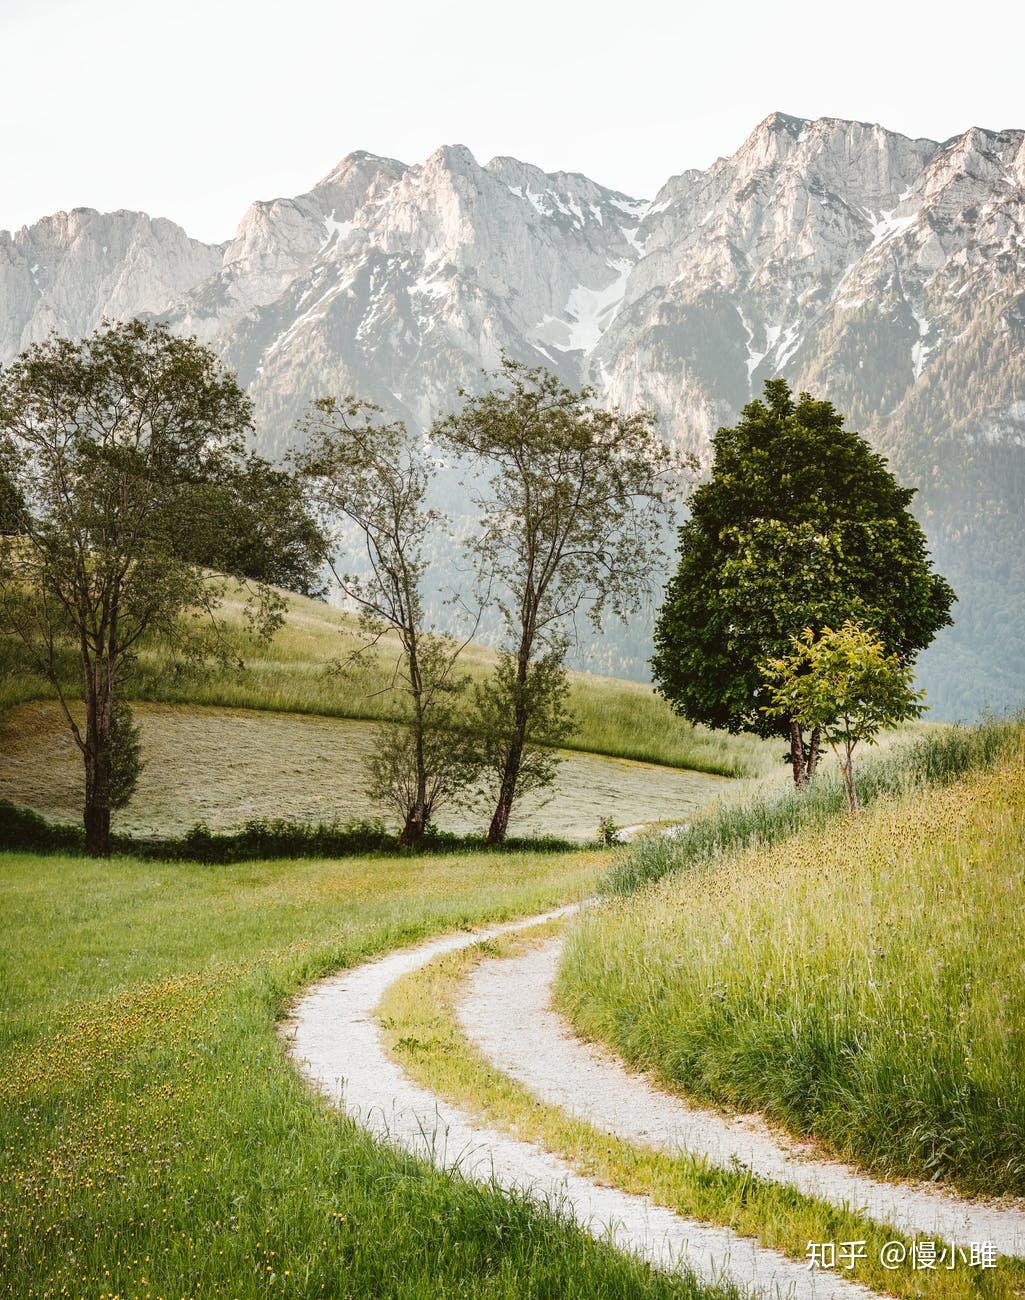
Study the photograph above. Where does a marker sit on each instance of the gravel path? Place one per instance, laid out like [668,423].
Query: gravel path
[507,1013]
[336,1042]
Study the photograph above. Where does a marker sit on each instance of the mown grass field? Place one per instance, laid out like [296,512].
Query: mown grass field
[859,981]
[298,673]
[155,1140]
[222,767]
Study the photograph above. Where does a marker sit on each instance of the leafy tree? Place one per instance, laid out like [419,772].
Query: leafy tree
[374,478]
[131,499]
[417,768]
[845,685]
[10,504]
[500,703]
[260,524]
[572,500]
[801,525]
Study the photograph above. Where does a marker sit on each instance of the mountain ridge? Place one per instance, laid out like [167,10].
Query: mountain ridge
[885,271]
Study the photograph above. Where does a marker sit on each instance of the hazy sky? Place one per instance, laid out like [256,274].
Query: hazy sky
[192,108]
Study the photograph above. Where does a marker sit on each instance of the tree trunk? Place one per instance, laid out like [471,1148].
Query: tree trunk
[416,814]
[847,770]
[814,750]
[499,827]
[797,754]
[416,825]
[97,785]
[97,829]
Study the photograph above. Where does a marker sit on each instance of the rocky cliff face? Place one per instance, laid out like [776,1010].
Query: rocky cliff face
[67,272]
[885,272]
[401,283]
[836,253]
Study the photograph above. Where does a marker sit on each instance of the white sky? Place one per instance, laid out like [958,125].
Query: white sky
[190,109]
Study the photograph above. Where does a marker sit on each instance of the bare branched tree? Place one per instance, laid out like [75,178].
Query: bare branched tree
[374,477]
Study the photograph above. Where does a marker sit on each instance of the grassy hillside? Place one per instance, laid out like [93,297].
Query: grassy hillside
[859,980]
[155,1141]
[299,673]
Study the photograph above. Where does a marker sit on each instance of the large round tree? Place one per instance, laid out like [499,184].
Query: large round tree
[801,525]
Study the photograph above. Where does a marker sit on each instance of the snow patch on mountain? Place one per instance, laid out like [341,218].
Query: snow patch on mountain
[587,313]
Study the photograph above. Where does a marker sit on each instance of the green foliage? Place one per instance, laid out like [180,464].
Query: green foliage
[934,758]
[258,524]
[842,682]
[125,457]
[259,839]
[125,755]
[541,698]
[843,685]
[21,828]
[443,753]
[573,505]
[801,525]
[11,504]
[608,832]
[572,499]
[374,478]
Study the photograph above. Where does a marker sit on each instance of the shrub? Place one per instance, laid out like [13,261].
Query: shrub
[20,828]
[608,832]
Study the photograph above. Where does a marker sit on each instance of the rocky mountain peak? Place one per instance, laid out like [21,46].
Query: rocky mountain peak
[358,179]
[886,271]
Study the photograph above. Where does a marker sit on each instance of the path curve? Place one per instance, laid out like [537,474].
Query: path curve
[507,1013]
[336,1042]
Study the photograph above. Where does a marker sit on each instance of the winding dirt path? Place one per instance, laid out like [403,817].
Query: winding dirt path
[336,1042]
[507,1013]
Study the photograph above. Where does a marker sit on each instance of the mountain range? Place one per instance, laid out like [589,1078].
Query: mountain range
[884,272]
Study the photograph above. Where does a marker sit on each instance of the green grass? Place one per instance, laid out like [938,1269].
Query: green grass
[421,1026]
[909,759]
[293,674]
[859,981]
[156,1141]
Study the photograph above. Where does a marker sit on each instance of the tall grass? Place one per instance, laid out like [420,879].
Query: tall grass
[154,1140]
[859,980]
[419,1017]
[930,758]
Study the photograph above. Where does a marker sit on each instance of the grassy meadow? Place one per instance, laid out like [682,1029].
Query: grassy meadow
[156,1141]
[763,813]
[304,671]
[857,980]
